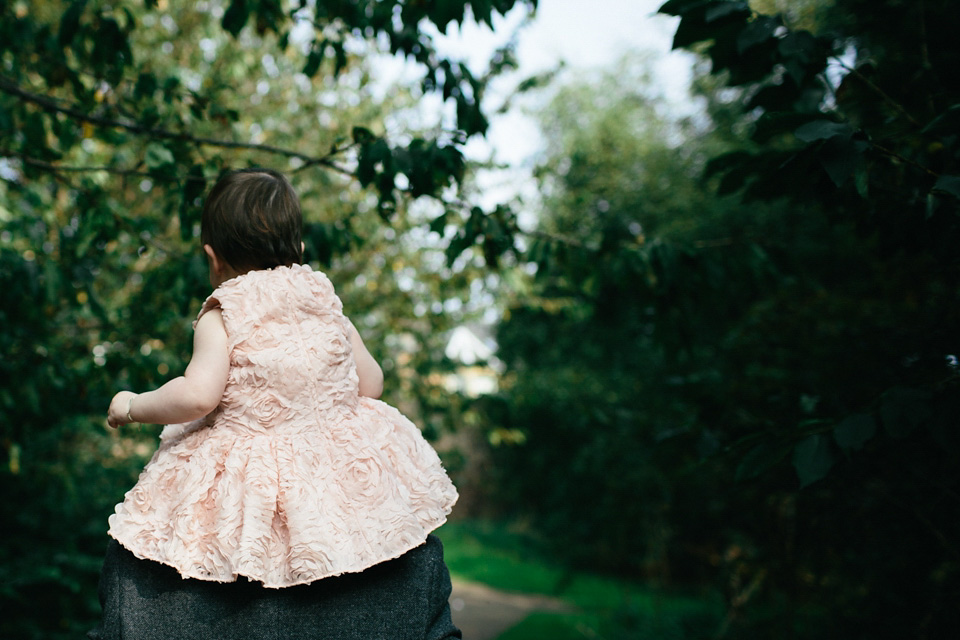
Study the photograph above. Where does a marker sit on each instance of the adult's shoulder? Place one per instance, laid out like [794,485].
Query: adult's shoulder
[401,599]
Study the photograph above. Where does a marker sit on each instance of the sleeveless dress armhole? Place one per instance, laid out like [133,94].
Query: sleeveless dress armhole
[212,302]
[326,291]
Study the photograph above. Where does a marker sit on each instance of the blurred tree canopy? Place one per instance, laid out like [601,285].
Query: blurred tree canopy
[737,360]
[115,118]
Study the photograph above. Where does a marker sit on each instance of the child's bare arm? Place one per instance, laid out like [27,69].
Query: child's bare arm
[369,372]
[191,396]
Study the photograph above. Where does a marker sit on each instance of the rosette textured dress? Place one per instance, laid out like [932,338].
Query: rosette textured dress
[294,477]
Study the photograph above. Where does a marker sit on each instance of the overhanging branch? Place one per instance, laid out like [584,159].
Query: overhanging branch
[52,106]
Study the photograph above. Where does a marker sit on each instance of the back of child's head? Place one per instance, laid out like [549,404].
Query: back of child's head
[252,220]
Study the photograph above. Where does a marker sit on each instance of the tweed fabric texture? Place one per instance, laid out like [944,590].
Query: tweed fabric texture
[402,599]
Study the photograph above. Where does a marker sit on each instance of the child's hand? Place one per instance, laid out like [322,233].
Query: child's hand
[117,413]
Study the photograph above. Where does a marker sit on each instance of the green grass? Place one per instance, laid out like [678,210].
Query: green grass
[498,556]
[506,558]
[553,626]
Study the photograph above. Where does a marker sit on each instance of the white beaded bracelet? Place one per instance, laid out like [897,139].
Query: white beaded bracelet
[129,409]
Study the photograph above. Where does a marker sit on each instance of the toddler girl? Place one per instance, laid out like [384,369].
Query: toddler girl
[278,462]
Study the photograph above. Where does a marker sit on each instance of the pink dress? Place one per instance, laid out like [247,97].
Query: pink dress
[294,477]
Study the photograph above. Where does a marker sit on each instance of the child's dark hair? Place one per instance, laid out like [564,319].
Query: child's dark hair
[252,220]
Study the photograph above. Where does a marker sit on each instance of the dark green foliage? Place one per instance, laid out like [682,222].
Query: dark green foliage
[758,390]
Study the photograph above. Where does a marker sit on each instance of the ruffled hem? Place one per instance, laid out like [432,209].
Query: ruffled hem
[286,509]
[186,573]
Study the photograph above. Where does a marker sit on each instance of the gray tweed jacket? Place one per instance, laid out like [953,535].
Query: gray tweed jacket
[403,599]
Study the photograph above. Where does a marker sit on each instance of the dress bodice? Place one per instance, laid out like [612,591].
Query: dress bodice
[291,362]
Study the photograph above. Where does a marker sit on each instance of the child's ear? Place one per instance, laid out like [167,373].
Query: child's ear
[216,264]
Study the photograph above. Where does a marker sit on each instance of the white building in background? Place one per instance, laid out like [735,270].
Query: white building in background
[479,369]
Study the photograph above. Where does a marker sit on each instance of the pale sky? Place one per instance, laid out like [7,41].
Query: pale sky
[585,35]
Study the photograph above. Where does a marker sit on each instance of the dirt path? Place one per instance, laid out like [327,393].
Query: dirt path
[483,613]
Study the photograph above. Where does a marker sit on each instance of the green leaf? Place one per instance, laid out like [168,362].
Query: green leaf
[71,22]
[314,58]
[680,7]
[439,224]
[269,15]
[949,185]
[802,46]
[840,158]
[6,119]
[157,156]
[193,188]
[854,432]
[458,244]
[35,133]
[735,179]
[443,12]
[822,130]
[947,123]
[690,32]
[813,458]
[372,154]
[861,181]
[725,162]
[771,125]
[339,58]
[146,86]
[235,17]
[111,50]
[430,166]
[902,410]
[482,11]
[802,56]
[362,135]
[757,32]
[470,118]
[726,8]
[760,459]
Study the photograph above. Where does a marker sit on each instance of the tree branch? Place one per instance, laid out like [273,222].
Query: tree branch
[48,104]
[880,92]
[553,237]
[59,168]
[896,156]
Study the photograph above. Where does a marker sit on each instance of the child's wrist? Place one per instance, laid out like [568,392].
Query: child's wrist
[130,408]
